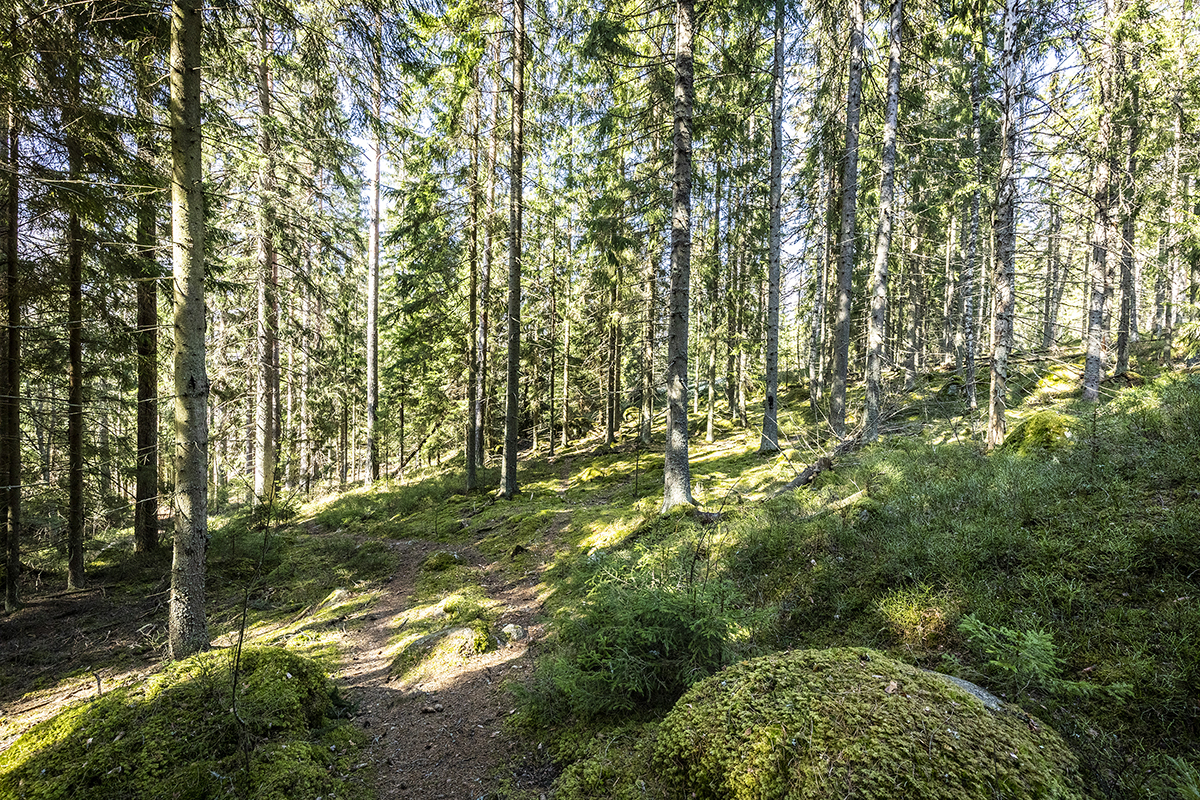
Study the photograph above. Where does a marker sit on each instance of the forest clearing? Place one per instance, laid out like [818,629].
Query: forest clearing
[442,398]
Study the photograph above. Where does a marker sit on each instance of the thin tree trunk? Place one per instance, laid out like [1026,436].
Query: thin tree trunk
[374,156]
[770,427]
[677,489]
[266,378]
[1102,196]
[877,321]
[1053,270]
[1005,276]
[647,413]
[516,172]
[74,341]
[1127,324]
[473,420]
[145,518]
[12,388]
[714,275]
[971,265]
[188,627]
[841,347]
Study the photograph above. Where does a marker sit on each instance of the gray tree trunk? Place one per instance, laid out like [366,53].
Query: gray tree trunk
[1102,194]
[770,426]
[515,201]
[1006,274]
[1127,323]
[266,379]
[145,517]
[971,265]
[677,480]
[12,372]
[475,202]
[877,321]
[74,340]
[841,343]
[188,630]
[374,156]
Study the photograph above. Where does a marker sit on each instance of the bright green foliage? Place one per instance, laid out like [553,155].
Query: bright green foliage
[1044,431]
[852,723]
[191,732]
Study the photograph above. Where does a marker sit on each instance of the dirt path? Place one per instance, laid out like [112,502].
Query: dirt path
[441,737]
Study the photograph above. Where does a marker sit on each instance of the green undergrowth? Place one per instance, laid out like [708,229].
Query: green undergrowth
[1058,572]
[451,618]
[197,730]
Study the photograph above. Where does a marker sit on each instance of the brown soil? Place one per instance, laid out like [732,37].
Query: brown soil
[438,738]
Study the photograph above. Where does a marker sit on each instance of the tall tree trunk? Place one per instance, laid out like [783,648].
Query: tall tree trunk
[515,210]
[374,155]
[1102,197]
[12,372]
[1127,325]
[971,265]
[653,257]
[75,515]
[145,517]
[268,303]
[713,279]
[841,345]
[1053,272]
[473,345]
[821,292]
[949,328]
[1006,274]
[677,480]
[770,427]
[188,627]
[877,321]
[1176,201]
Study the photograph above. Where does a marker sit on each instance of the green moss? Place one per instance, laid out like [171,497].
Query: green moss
[192,732]
[1044,431]
[851,722]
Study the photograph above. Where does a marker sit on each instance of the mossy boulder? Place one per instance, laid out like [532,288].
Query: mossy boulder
[1043,432]
[193,732]
[852,723]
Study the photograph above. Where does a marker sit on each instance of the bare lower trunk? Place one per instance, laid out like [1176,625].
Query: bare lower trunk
[515,211]
[188,627]
[1005,279]
[877,320]
[677,488]
[841,345]
[145,518]
[769,441]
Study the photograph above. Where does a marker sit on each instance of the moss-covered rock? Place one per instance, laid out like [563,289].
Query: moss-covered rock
[1042,432]
[852,723]
[192,732]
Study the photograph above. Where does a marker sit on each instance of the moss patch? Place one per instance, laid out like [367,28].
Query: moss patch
[850,722]
[178,736]
[1044,431]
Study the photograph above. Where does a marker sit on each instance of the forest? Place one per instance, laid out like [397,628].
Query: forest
[631,350]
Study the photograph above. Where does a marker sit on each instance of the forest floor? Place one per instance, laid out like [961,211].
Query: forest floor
[444,737]
[436,737]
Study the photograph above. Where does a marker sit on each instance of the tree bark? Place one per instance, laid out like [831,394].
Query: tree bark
[71,122]
[515,202]
[474,200]
[971,265]
[1127,324]
[1005,277]
[266,379]
[769,442]
[12,388]
[145,518]
[1102,198]
[877,321]
[188,627]
[677,489]
[374,156]
[841,345]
